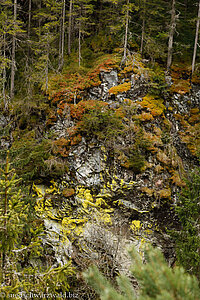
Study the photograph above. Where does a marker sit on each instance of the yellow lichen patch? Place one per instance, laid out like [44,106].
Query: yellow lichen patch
[79,230]
[103,149]
[76,225]
[136,226]
[39,207]
[118,202]
[100,202]
[45,208]
[85,196]
[104,215]
[143,246]
[105,192]
[154,104]
[44,204]
[53,188]
[147,232]
[51,213]
[122,182]
[121,88]
[39,190]
[114,185]
[126,185]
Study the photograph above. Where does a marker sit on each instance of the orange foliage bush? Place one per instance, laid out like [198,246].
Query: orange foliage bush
[181,119]
[192,138]
[78,110]
[165,193]
[155,105]
[145,117]
[181,79]
[194,116]
[61,147]
[153,139]
[163,158]
[177,180]
[71,86]
[121,88]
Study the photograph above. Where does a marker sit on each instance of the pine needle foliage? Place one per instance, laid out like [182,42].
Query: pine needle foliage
[188,238]
[21,233]
[12,210]
[155,278]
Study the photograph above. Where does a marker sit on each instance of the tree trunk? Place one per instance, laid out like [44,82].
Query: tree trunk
[4,72]
[62,38]
[196,40]
[126,32]
[5,212]
[60,44]
[70,26]
[142,37]
[143,28]
[79,45]
[171,35]
[13,64]
[39,21]
[29,20]
[47,65]
[47,73]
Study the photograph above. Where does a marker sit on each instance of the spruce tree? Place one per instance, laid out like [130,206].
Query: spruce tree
[6,30]
[12,220]
[151,25]
[155,278]
[13,62]
[44,48]
[21,233]
[188,238]
[83,10]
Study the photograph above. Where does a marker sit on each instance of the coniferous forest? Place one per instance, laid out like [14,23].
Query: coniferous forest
[100,149]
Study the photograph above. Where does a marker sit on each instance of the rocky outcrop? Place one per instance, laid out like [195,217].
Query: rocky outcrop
[118,188]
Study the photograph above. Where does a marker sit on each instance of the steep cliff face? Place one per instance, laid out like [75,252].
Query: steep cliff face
[115,152]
